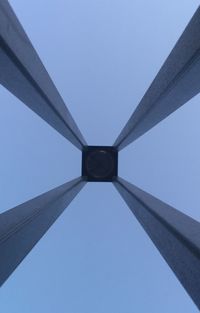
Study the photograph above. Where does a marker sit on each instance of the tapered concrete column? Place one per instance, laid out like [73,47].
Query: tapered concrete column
[24,75]
[176,235]
[177,82]
[23,226]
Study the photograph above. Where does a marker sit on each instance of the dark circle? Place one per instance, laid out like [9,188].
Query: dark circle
[99,164]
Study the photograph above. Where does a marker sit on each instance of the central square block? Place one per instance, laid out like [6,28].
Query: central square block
[99,163]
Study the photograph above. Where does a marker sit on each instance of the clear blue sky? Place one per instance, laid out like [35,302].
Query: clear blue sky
[102,55]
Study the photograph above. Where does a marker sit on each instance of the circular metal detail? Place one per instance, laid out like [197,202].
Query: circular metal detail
[99,164]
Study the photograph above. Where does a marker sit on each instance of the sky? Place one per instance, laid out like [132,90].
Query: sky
[102,56]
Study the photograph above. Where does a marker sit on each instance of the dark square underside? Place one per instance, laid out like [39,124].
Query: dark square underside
[99,163]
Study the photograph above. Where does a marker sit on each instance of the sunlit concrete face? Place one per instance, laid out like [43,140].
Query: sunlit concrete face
[99,163]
